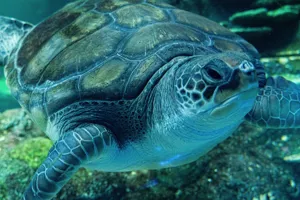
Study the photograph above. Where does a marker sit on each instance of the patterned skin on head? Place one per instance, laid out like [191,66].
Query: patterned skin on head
[210,81]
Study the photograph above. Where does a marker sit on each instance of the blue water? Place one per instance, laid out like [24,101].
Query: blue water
[32,11]
[254,163]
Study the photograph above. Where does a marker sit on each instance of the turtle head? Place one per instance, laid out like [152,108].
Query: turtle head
[219,89]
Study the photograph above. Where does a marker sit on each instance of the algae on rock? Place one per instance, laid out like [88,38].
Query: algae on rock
[14,177]
[32,151]
[274,3]
[284,14]
[250,17]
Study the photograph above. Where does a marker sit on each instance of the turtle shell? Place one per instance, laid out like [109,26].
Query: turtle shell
[107,50]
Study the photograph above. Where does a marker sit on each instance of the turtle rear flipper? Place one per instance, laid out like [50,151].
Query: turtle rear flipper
[11,32]
[74,149]
[277,105]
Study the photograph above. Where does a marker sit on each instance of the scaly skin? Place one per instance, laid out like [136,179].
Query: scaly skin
[72,150]
[277,105]
[193,107]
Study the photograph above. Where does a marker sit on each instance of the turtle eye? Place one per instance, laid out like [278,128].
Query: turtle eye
[213,73]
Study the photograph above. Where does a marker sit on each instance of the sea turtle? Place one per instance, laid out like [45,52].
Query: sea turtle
[122,85]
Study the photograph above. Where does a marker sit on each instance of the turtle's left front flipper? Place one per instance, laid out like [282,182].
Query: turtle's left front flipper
[74,149]
[277,105]
[11,32]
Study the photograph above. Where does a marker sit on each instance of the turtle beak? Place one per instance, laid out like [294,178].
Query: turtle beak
[239,92]
[243,78]
[248,75]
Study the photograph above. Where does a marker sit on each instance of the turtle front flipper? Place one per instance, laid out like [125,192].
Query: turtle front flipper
[277,105]
[72,150]
[11,32]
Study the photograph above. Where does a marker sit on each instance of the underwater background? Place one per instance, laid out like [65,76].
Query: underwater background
[254,163]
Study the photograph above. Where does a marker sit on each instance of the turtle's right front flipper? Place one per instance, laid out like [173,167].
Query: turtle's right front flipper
[277,105]
[74,149]
[11,32]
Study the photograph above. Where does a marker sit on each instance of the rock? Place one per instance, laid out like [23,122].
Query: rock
[273,3]
[283,22]
[247,2]
[283,14]
[14,177]
[18,124]
[292,158]
[32,151]
[250,17]
[252,34]
[263,17]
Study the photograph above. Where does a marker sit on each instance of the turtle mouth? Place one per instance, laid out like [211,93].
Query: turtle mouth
[243,95]
[248,93]
[239,104]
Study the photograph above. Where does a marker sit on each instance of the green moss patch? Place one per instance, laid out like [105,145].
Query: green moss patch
[14,177]
[32,151]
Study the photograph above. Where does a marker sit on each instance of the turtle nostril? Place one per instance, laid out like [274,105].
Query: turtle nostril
[214,74]
[247,67]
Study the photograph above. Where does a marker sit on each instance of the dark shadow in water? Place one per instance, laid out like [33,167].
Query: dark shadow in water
[282,35]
